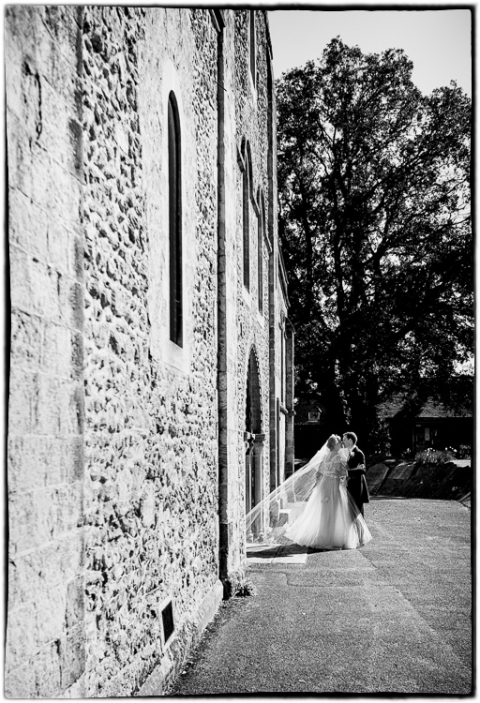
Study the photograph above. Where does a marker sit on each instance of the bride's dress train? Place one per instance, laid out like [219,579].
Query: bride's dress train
[331,519]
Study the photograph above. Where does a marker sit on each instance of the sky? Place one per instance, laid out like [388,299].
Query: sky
[437,41]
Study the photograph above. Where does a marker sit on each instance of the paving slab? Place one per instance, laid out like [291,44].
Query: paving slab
[391,618]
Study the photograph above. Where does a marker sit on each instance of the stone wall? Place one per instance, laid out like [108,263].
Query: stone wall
[251,126]
[45,651]
[126,451]
[151,431]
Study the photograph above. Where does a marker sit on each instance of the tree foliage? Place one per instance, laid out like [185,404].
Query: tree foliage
[374,192]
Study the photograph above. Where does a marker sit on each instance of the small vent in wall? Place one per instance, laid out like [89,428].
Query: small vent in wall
[167,622]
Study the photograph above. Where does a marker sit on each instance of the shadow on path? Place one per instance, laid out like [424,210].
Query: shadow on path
[270,551]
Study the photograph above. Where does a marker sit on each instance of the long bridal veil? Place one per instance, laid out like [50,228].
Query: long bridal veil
[268,520]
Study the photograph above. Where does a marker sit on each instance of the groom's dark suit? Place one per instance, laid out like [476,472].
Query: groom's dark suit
[357,483]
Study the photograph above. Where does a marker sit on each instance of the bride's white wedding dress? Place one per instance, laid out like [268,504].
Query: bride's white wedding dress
[331,519]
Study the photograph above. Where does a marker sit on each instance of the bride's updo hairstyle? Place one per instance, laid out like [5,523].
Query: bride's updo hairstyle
[333,440]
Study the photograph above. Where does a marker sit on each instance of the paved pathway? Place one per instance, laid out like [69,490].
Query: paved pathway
[392,617]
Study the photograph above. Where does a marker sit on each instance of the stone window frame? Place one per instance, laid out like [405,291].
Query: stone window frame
[260,263]
[254,437]
[245,163]
[175,221]
[283,357]
[246,185]
[252,49]
[252,364]
[218,19]
[162,349]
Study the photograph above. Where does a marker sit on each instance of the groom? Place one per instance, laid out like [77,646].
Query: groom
[357,483]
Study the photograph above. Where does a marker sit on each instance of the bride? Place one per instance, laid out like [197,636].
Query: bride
[330,520]
[328,516]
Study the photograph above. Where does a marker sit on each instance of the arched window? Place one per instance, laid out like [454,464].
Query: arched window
[253,48]
[246,221]
[175,222]
[261,230]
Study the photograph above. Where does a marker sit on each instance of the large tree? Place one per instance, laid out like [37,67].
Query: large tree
[374,192]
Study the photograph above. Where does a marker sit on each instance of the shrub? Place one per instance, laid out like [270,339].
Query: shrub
[245,587]
[464,451]
[435,456]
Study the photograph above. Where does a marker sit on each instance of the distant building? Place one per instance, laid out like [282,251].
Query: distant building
[433,425]
[151,369]
[311,430]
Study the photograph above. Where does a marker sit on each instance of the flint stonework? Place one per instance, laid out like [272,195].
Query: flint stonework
[126,452]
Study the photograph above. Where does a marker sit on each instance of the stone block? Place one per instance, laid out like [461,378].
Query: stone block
[34,286]
[72,455]
[78,256]
[28,526]
[19,587]
[67,513]
[27,224]
[33,575]
[21,644]
[56,356]
[70,552]
[20,283]
[25,341]
[61,246]
[47,671]
[60,136]
[75,603]
[72,295]
[20,683]
[49,617]
[21,394]
[64,193]
[35,461]
[77,689]
[147,509]
[19,157]
[25,26]
[154,684]
[61,67]
[39,188]
[46,404]
[209,606]
[13,69]
[72,657]
[64,22]
[57,407]
[26,470]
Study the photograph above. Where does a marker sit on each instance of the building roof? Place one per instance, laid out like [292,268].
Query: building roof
[438,410]
[389,408]
[430,410]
